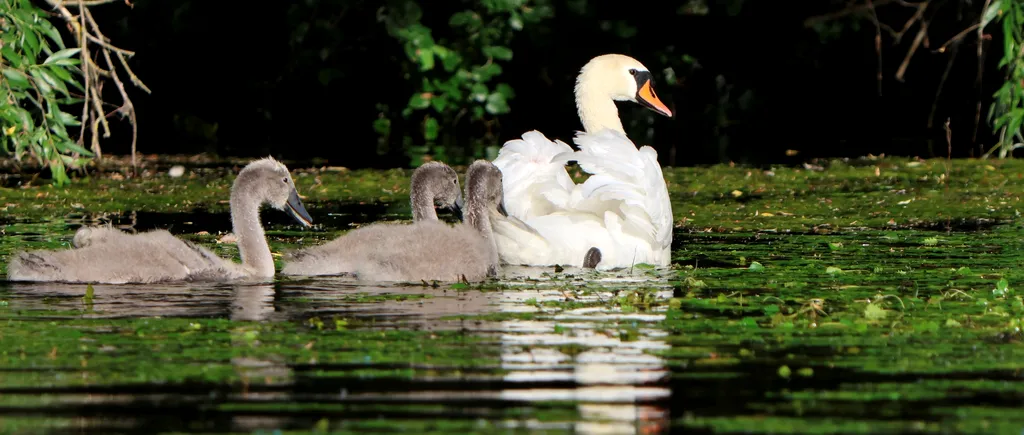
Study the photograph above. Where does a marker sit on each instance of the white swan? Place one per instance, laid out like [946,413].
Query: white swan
[623,209]
[110,256]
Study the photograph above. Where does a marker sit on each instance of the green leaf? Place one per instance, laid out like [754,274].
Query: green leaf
[17,79]
[74,147]
[1016,117]
[30,42]
[62,54]
[25,119]
[419,101]
[430,129]
[484,73]
[41,83]
[51,32]
[425,57]
[13,57]
[382,126]
[515,22]
[60,132]
[498,52]
[45,75]
[68,119]
[506,90]
[496,104]
[64,75]
[465,18]
[479,92]
[439,103]
[60,177]
[449,59]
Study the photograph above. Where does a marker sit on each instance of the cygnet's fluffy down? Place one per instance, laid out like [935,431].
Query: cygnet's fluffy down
[155,256]
[426,250]
[110,256]
[422,251]
[432,184]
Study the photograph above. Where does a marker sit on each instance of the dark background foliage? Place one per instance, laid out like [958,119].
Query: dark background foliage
[748,80]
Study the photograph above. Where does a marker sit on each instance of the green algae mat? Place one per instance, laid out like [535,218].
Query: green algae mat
[845,296]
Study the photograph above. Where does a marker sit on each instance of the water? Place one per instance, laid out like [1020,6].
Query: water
[825,303]
[514,367]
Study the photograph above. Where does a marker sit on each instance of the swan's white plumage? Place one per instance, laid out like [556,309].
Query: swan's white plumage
[537,184]
[623,208]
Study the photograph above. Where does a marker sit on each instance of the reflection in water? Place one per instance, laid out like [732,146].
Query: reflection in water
[252,302]
[616,381]
[573,344]
[580,355]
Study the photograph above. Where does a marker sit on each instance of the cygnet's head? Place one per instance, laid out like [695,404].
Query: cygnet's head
[269,181]
[623,79]
[483,186]
[440,183]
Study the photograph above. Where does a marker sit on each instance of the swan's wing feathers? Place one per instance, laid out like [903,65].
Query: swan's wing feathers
[532,183]
[605,152]
[624,180]
[658,205]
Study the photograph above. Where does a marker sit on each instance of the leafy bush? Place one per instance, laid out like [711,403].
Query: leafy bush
[1007,110]
[38,70]
[43,78]
[459,77]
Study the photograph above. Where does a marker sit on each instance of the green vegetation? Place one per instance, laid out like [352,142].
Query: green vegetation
[44,80]
[457,76]
[451,61]
[38,70]
[865,296]
[1007,110]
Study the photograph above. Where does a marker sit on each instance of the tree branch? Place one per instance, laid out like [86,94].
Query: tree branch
[878,44]
[87,31]
[913,49]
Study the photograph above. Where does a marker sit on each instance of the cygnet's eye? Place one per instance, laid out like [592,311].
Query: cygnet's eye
[285,180]
[632,71]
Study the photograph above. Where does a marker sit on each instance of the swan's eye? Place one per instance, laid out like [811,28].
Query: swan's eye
[285,180]
[632,72]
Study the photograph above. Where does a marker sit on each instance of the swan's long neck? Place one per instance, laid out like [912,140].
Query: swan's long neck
[478,218]
[596,108]
[422,204]
[252,241]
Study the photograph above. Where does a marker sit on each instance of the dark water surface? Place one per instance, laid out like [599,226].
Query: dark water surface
[808,302]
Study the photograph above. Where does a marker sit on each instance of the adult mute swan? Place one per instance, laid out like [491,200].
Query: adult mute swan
[426,250]
[623,209]
[110,256]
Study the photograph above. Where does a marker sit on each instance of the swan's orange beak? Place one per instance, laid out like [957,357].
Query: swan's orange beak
[646,96]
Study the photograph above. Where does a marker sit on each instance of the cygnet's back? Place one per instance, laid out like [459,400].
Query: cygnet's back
[434,251]
[155,256]
[432,184]
[424,251]
[107,255]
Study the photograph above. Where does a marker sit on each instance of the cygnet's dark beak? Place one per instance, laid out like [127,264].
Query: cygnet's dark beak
[457,206]
[501,208]
[297,210]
